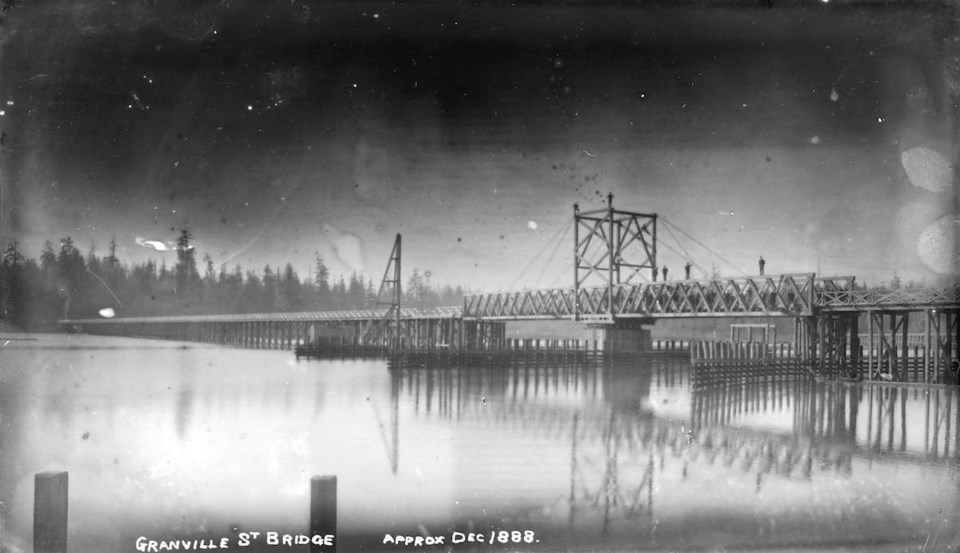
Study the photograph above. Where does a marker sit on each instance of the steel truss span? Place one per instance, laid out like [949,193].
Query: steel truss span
[796,295]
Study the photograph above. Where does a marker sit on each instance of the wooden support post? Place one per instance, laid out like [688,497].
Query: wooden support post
[926,350]
[50,512]
[905,326]
[953,321]
[323,510]
[855,357]
[821,325]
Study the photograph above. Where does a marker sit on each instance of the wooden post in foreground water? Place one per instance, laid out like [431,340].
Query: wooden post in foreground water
[50,512]
[323,509]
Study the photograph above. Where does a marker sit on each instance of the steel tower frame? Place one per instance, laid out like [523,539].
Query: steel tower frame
[613,240]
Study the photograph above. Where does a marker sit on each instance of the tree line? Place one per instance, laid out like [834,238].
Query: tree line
[63,283]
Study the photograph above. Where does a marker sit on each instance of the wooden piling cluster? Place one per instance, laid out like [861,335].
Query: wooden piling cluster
[741,361]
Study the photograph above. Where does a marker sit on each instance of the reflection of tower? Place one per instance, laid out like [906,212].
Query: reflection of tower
[611,480]
[391,443]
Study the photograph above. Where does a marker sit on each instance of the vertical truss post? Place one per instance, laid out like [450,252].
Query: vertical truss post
[576,262]
[612,247]
[855,358]
[927,343]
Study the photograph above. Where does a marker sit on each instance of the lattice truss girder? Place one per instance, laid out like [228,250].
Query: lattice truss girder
[771,295]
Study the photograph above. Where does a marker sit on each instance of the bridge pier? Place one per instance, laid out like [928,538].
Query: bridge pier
[484,335]
[624,336]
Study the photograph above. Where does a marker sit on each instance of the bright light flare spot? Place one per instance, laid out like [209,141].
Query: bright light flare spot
[939,245]
[9,102]
[532,225]
[155,244]
[2,113]
[927,168]
[107,313]
[249,108]
[833,95]
[814,139]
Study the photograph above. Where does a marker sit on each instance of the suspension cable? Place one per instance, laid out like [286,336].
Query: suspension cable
[702,245]
[553,254]
[556,237]
[686,254]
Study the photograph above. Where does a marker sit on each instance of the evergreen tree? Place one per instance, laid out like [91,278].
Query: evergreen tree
[210,275]
[164,274]
[269,295]
[72,267]
[321,282]
[112,258]
[339,294]
[355,292]
[290,290]
[186,268]
[48,263]
[12,299]
[415,288]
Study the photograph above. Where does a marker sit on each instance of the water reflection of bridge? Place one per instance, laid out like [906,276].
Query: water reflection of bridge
[627,424]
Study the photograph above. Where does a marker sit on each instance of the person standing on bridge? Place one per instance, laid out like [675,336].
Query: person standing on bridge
[686,270]
[664,273]
[762,265]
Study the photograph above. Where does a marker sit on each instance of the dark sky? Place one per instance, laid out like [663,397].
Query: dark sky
[812,133]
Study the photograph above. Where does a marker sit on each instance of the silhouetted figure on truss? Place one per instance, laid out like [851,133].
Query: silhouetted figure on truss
[664,273]
[686,270]
[763,264]
[955,368]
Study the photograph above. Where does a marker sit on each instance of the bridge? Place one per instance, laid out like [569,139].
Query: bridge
[612,294]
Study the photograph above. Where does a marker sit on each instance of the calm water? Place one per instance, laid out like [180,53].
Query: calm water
[169,440]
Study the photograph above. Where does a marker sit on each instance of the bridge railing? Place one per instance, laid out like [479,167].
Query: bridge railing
[788,295]
[315,316]
[889,298]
